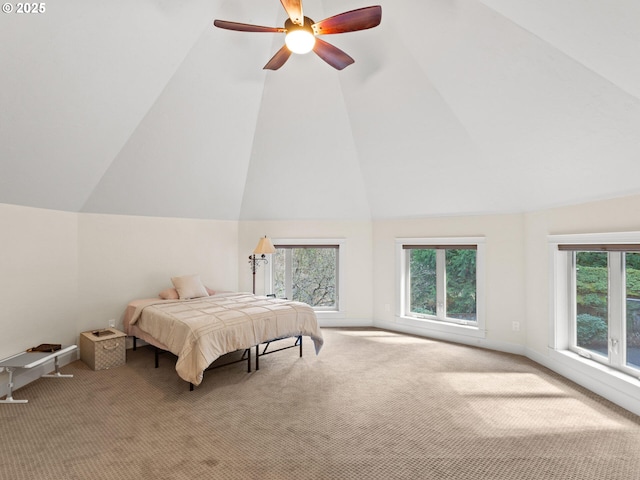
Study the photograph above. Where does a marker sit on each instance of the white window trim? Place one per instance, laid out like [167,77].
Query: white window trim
[341,242]
[472,329]
[559,285]
[596,376]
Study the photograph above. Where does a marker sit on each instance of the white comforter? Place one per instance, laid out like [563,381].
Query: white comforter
[199,331]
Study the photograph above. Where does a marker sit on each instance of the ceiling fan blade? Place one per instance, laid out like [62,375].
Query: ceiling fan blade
[360,19]
[245,27]
[332,55]
[278,59]
[294,10]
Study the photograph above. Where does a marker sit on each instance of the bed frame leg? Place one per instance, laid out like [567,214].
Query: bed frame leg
[257,357]
[156,354]
[134,343]
[190,387]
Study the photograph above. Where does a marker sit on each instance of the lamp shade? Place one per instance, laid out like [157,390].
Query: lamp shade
[265,246]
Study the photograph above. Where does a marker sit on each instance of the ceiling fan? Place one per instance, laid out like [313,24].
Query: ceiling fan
[301,33]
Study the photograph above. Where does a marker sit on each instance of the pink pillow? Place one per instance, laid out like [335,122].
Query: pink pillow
[169,294]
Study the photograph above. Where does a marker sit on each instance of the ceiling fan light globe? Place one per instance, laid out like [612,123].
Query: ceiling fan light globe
[300,41]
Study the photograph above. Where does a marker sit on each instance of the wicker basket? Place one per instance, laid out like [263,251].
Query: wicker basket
[103,349]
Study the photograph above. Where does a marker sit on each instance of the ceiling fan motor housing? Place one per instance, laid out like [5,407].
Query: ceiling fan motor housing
[306,26]
[300,38]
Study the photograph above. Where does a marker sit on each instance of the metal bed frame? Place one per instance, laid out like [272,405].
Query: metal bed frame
[246,354]
[298,343]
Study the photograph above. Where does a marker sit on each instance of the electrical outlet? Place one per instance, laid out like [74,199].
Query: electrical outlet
[515,326]
[112,323]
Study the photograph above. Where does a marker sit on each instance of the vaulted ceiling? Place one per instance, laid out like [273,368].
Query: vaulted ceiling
[451,107]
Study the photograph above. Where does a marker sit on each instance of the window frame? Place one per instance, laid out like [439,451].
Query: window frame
[617,351]
[340,243]
[563,308]
[438,323]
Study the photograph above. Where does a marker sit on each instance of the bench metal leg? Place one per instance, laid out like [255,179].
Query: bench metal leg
[10,398]
[57,373]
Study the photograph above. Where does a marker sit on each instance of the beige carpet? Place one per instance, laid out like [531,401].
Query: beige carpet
[373,404]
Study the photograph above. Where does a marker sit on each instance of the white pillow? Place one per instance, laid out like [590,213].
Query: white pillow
[189,286]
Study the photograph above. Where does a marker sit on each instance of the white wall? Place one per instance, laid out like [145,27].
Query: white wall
[615,215]
[123,258]
[38,281]
[505,295]
[358,274]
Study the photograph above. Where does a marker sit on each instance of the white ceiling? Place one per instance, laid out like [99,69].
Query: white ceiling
[451,107]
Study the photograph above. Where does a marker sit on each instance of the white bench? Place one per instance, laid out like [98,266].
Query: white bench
[31,360]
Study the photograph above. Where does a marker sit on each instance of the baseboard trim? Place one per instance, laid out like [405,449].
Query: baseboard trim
[452,337]
[344,322]
[617,387]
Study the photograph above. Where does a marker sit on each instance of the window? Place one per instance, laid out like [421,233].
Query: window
[307,273]
[603,282]
[439,283]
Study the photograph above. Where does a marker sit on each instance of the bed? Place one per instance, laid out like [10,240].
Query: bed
[200,330]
